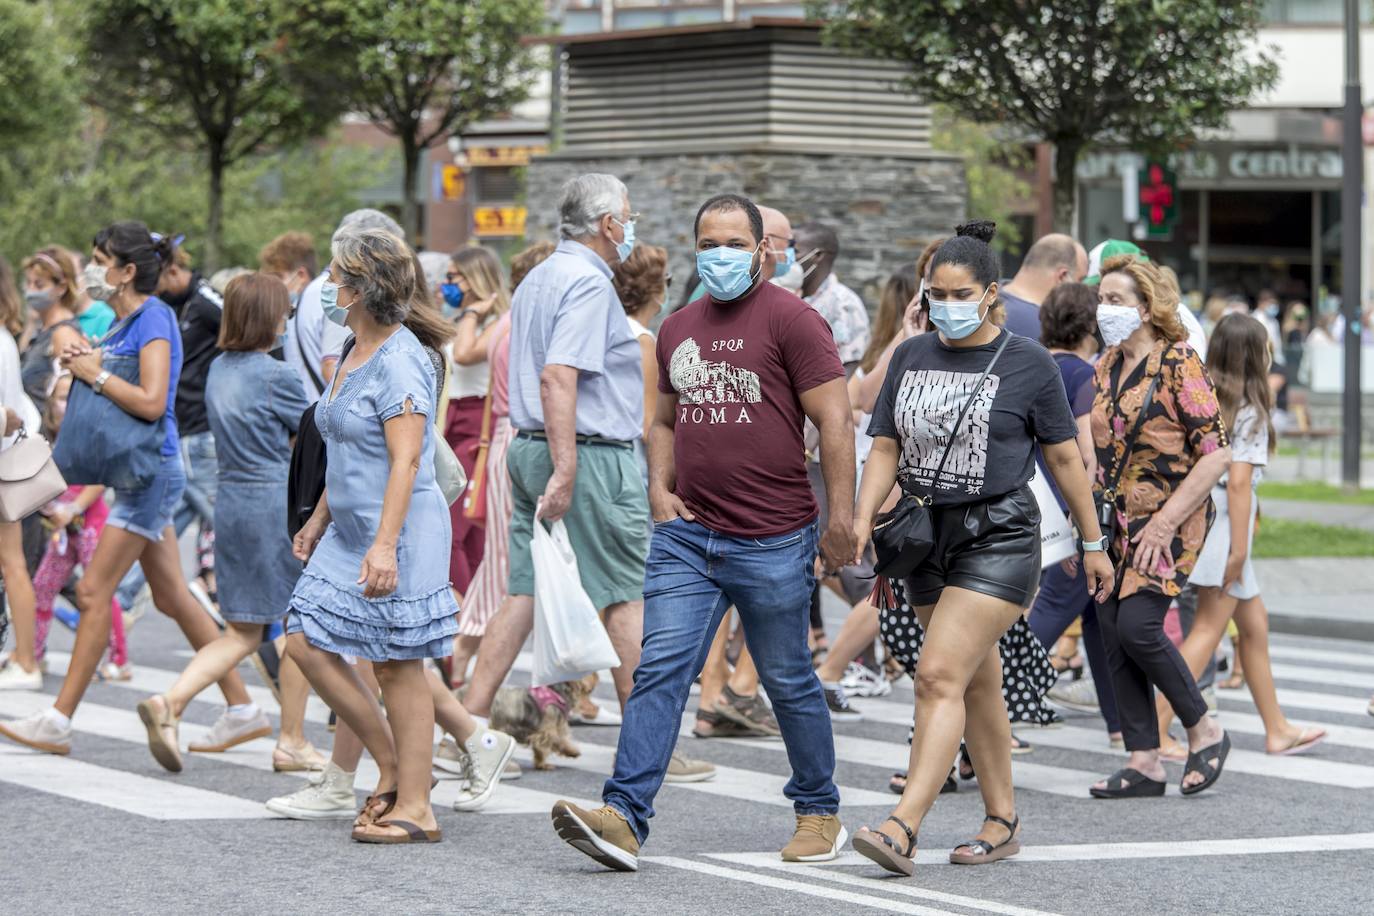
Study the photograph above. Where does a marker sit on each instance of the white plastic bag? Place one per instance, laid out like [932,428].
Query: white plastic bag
[569,640]
[1056,534]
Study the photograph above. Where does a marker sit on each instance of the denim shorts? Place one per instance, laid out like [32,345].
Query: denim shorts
[146,512]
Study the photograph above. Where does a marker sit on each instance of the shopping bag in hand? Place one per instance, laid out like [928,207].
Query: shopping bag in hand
[569,640]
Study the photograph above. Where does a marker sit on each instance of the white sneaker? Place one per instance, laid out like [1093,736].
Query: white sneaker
[1079,695]
[602,716]
[231,731]
[143,603]
[331,797]
[859,681]
[451,759]
[39,732]
[488,752]
[13,677]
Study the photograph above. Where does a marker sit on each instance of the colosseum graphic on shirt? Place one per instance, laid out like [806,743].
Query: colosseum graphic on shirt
[737,370]
[927,385]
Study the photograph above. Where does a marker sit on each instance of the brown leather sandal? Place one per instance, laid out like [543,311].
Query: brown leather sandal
[413,834]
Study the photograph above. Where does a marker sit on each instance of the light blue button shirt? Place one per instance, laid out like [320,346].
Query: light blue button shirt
[567,313]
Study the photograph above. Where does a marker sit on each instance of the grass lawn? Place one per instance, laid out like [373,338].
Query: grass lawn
[1279,537]
[1310,491]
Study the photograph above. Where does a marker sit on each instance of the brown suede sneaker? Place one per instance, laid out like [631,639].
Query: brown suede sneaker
[603,834]
[818,839]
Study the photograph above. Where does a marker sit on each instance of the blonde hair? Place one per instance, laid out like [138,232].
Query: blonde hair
[486,279]
[58,268]
[1155,290]
[380,268]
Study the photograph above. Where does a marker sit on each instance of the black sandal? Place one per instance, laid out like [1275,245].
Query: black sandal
[1130,783]
[988,852]
[965,761]
[1208,762]
[884,849]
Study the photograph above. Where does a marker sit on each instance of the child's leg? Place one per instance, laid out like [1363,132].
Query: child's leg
[53,572]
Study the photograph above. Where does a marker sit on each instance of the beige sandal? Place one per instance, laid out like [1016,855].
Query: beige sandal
[881,848]
[297,759]
[163,741]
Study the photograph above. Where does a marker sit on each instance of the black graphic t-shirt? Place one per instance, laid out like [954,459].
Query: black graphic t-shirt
[1021,402]
[738,370]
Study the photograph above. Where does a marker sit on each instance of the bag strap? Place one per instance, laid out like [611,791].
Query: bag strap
[314,376]
[122,325]
[954,430]
[1119,466]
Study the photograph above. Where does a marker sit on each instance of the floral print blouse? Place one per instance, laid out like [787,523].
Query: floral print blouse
[1183,424]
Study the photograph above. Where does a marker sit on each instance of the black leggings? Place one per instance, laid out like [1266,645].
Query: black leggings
[1139,655]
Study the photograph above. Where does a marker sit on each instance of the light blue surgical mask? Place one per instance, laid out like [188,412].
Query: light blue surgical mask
[329,301]
[789,257]
[623,249]
[957,319]
[281,341]
[727,273]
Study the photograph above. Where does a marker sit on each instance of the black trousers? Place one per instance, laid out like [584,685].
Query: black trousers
[1139,655]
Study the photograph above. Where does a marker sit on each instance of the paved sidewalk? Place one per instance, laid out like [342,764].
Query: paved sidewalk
[1348,515]
[1319,596]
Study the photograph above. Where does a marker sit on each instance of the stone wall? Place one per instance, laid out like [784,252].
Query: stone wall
[884,209]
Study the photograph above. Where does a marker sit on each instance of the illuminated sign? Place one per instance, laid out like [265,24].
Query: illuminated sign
[502,155]
[498,221]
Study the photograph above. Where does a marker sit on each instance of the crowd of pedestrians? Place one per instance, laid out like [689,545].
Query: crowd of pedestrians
[371,451]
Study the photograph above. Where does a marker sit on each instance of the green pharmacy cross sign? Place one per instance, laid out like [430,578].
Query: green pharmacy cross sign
[1158,200]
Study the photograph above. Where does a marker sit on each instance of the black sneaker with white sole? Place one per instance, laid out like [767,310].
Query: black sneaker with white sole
[840,710]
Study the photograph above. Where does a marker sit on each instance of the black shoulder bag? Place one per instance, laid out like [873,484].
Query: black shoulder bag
[904,536]
[1106,498]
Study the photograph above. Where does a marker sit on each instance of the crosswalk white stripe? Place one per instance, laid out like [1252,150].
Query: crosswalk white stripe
[1306,699]
[1253,763]
[923,857]
[1335,677]
[154,798]
[1339,735]
[896,756]
[1328,656]
[1093,852]
[124,725]
[784,884]
[1304,769]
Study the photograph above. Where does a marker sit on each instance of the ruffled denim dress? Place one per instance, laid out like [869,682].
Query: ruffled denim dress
[419,619]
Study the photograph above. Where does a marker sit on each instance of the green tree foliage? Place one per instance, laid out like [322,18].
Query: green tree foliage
[36,91]
[212,76]
[991,167]
[423,69]
[75,185]
[1149,73]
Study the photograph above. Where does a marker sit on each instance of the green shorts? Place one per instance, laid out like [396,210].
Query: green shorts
[607,522]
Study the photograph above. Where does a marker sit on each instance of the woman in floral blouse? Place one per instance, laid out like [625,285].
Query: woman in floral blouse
[1160,490]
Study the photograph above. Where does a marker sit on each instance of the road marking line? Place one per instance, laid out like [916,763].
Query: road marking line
[1339,735]
[932,857]
[124,725]
[1092,852]
[1302,653]
[159,799]
[783,884]
[1333,677]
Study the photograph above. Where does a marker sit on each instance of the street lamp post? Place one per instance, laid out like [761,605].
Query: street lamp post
[1352,193]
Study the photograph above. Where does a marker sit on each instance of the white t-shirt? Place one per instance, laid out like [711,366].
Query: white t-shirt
[1250,442]
[467,381]
[12,391]
[310,338]
[1197,338]
[639,330]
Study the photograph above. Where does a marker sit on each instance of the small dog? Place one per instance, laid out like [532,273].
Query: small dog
[538,717]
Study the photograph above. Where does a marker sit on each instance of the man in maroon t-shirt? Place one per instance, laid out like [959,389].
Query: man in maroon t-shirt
[734,524]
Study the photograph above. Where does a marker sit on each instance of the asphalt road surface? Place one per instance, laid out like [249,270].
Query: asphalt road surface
[108,831]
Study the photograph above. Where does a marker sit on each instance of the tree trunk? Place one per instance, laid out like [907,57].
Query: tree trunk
[410,206]
[1065,185]
[213,225]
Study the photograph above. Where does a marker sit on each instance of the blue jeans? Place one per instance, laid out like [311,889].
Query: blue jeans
[1061,599]
[694,575]
[199,460]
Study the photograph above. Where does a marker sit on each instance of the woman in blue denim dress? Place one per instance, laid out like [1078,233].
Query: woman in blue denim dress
[136,367]
[376,584]
[253,404]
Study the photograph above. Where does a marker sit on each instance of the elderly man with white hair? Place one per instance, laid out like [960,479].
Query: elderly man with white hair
[577,407]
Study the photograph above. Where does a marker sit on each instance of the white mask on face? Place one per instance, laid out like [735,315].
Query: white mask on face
[1117,322]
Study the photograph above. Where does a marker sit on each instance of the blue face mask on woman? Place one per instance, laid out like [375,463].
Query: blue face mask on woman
[453,296]
[727,273]
[329,301]
[957,319]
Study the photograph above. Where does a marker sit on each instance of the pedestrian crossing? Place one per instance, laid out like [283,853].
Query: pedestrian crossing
[158,796]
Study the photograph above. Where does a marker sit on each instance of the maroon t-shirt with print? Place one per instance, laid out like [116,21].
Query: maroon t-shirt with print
[738,369]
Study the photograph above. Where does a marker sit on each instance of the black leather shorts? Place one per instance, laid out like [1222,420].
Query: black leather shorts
[991,547]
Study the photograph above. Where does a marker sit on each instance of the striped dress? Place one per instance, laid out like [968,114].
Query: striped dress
[488,588]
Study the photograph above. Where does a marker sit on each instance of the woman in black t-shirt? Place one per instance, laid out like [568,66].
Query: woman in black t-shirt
[985,563]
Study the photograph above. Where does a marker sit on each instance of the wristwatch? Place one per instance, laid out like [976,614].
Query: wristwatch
[465,313]
[1096,546]
[98,386]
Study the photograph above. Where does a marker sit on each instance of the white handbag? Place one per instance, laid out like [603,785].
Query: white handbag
[448,471]
[29,478]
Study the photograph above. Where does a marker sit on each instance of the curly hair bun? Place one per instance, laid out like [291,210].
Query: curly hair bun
[981,229]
